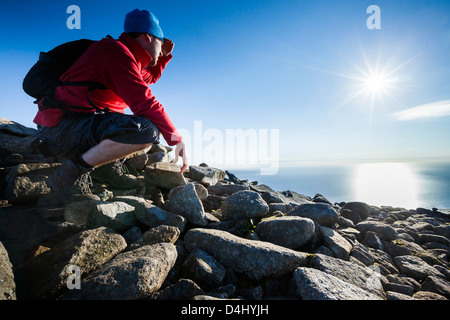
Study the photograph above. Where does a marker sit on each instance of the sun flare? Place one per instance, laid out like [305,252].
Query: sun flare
[375,83]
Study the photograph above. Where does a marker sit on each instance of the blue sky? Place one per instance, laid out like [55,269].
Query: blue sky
[299,67]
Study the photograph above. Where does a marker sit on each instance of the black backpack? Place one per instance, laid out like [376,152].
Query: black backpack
[43,78]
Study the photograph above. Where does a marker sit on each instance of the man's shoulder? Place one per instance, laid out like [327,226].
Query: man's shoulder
[111,46]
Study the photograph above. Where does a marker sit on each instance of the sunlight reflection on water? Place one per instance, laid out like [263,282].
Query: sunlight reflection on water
[394,184]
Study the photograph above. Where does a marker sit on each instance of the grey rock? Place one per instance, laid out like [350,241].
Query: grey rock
[372,240]
[351,215]
[337,243]
[160,234]
[323,213]
[154,216]
[226,189]
[159,157]
[7,283]
[400,288]
[427,295]
[116,215]
[207,176]
[164,175]
[383,261]
[437,285]
[361,253]
[25,183]
[16,138]
[404,280]
[290,232]
[361,208]
[392,295]
[79,212]
[116,175]
[282,207]
[131,275]
[400,247]
[137,160]
[313,284]
[185,202]
[257,259]
[183,289]
[244,204]
[360,276]
[203,268]
[384,231]
[415,267]
[46,274]
[424,238]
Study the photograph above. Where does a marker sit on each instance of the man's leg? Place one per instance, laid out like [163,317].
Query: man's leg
[71,170]
[119,135]
[107,151]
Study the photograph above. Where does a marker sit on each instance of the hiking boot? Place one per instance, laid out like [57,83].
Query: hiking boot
[64,178]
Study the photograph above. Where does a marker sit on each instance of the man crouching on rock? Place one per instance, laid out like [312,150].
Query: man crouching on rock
[126,66]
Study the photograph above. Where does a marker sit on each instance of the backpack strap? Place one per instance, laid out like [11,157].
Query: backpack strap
[50,102]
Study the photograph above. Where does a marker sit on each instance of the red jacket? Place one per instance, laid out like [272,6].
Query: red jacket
[121,66]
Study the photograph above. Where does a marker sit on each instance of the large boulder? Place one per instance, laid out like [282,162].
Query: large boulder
[164,175]
[383,230]
[362,209]
[415,267]
[336,243]
[256,259]
[313,284]
[207,176]
[360,276]
[154,216]
[244,204]
[116,215]
[323,213]
[184,201]
[16,138]
[290,232]
[47,274]
[130,275]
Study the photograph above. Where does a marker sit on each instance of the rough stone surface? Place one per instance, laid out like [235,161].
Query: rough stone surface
[184,201]
[164,175]
[130,275]
[7,284]
[415,267]
[313,284]
[323,213]
[47,273]
[337,243]
[257,259]
[244,204]
[363,277]
[290,232]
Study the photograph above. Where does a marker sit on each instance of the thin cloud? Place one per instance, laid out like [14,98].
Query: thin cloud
[430,110]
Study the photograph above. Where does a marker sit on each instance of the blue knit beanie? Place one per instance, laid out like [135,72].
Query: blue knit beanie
[144,22]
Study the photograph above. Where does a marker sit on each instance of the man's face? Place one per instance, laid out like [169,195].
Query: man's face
[154,49]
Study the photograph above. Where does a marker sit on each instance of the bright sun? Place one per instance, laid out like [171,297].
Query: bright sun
[375,83]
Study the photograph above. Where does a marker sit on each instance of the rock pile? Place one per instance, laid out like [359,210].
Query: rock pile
[149,232]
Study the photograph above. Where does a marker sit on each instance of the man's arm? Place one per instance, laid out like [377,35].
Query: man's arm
[155,72]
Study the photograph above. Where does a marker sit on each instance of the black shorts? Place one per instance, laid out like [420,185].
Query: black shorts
[75,135]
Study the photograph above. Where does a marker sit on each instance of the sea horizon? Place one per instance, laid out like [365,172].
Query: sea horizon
[406,184]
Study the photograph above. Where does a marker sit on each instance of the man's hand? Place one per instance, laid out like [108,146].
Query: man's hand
[180,150]
[167,47]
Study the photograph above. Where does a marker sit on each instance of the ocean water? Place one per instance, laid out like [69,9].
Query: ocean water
[399,184]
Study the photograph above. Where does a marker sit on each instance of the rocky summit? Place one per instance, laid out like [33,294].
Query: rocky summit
[148,232]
